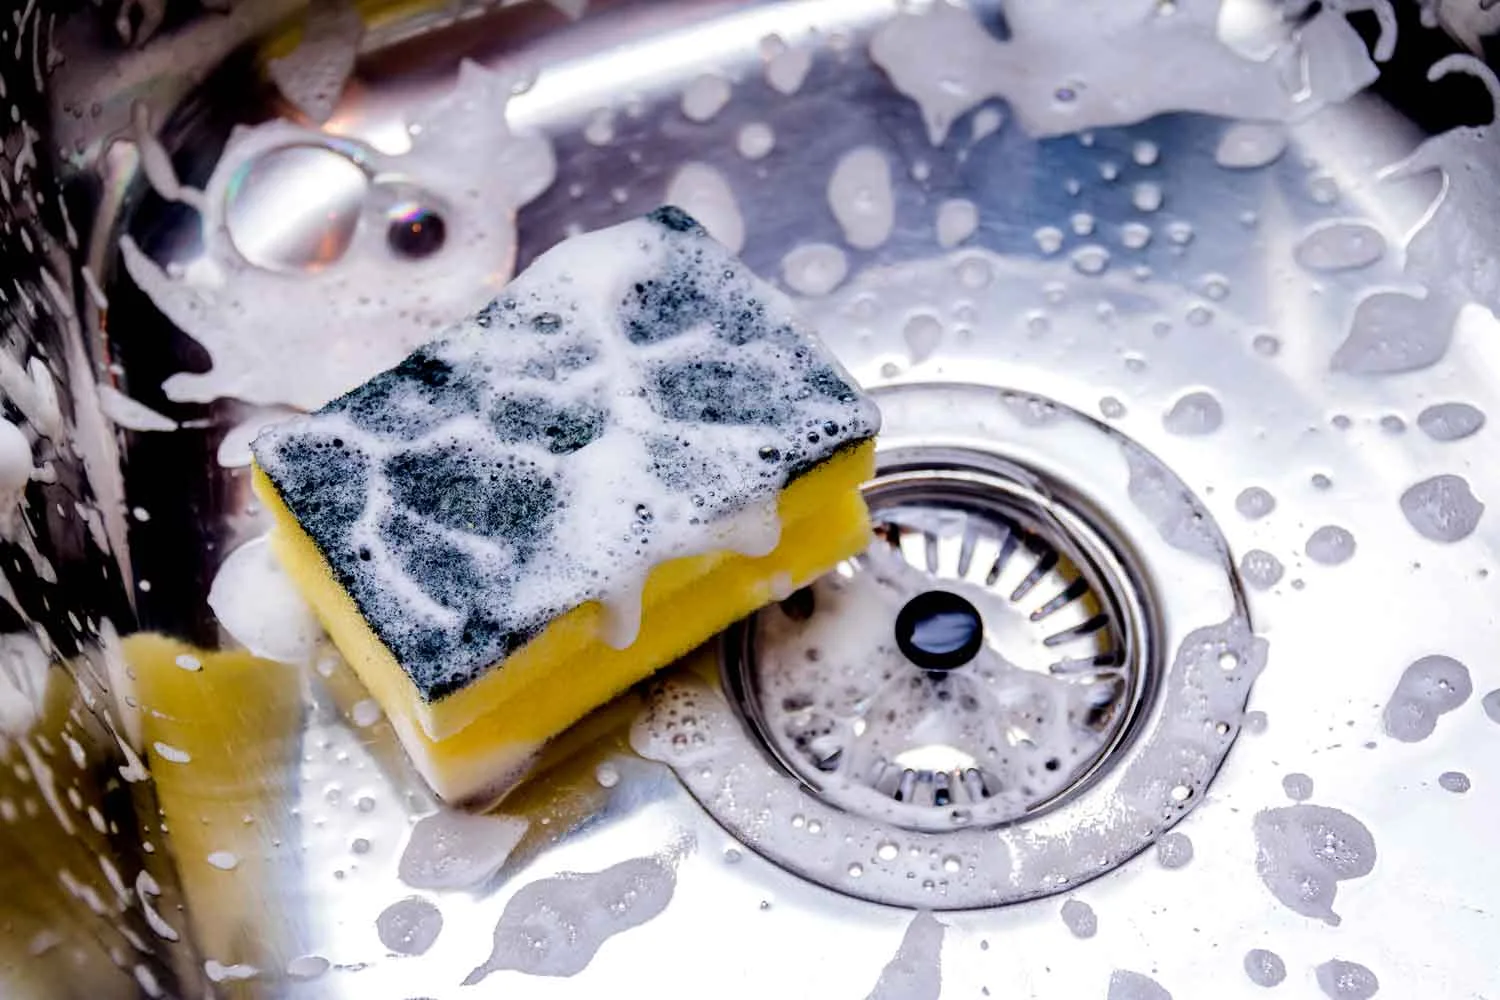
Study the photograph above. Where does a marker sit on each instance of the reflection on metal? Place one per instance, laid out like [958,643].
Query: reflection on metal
[1107,279]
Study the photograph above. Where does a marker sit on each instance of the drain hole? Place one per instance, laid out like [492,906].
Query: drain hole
[939,630]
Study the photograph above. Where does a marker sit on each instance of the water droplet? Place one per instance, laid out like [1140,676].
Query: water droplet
[1049,239]
[1146,196]
[1145,152]
[1194,413]
[1330,545]
[1090,259]
[1135,235]
[1111,407]
[1454,781]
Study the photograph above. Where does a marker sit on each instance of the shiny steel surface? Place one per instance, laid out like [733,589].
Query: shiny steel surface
[1253,363]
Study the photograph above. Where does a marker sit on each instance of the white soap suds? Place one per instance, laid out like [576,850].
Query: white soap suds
[305,967]
[1298,786]
[1079,918]
[1261,569]
[554,927]
[957,218]
[860,195]
[369,308]
[755,140]
[409,926]
[814,268]
[131,414]
[1450,421]
[1247,145]
[1342,980]
[1265,968]
[1339,245]
[234,448]
[1430,687]
[786,66]
[705,96]
[1254,503]
[703,193]
[258,605]
[146,888]
[170,753]
[365,713]
[915,971]
[458,850]
[1174,850]
[1064,74]
[1442,508]
[225,861]
[24,667]
[1330,545]
[1304,851]
[218,972]
[1127,985]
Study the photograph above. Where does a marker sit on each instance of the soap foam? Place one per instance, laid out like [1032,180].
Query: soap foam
[370,307]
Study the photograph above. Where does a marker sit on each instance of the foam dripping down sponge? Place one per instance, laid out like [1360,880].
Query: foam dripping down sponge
[634,445]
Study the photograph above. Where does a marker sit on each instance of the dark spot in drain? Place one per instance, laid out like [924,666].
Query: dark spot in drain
[939,630]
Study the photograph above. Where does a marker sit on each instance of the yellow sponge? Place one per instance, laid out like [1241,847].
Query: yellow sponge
[633,446]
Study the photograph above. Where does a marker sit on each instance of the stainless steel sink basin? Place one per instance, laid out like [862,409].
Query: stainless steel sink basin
[1182,314]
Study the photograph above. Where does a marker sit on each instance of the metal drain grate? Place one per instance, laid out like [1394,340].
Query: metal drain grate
[1007,732]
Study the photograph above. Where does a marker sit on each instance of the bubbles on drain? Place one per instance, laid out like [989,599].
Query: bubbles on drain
[1265,968]
[1431,687]
[1442,508]
[1330,545]
[1490,703]
[1454,781]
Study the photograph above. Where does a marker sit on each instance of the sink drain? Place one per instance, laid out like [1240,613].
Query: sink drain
[1035,669]
[977,664]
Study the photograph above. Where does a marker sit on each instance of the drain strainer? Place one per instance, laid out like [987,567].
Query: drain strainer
[1035,669]
[978,662]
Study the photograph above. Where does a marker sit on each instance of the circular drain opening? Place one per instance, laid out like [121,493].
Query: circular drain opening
[1031,672]
[1175,655]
